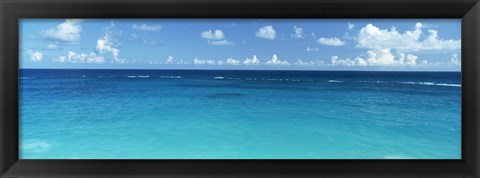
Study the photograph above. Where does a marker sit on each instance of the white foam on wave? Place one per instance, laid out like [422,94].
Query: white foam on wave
[171,76]
[334,81]
[132,76]
[218,78]
[435,84]
[375,81]
[449,85]
[143,76]
[25,78]
[35,146]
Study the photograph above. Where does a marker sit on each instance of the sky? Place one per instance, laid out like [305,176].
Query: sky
[244,44]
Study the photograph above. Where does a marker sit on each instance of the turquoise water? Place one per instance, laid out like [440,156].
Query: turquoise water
[195,114]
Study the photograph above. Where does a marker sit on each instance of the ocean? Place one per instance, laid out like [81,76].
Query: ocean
[235,114]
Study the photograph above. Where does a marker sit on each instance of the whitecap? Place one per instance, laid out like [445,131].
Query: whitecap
[335,81]
[432,83]
[375,81]
[449,85]
[171,76]
[25,78]
[132,76]
[218,78]
[143,76]
[35,146]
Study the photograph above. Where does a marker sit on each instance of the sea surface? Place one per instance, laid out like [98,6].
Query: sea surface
[225,114]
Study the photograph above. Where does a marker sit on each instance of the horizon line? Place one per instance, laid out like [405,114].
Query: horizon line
[247,70]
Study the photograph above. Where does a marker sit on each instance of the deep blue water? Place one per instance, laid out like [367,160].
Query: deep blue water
[190,114]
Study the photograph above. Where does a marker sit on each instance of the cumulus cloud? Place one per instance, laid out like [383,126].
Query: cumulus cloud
[358,61]
[169,60]
[300,62]
[68,31]
[148,28]
[104,45]
[35,56]
[221,43]
[197,61]
[73,57]
[373,37]
[331,41]
[350,26]
[312,49]
[298,32]
[266,32]
[213,35]
[251,61]
[385,57]
[232,61]
[52,47]
[455,61]
[276,61]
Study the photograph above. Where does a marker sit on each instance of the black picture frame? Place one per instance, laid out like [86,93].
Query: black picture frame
[12,10]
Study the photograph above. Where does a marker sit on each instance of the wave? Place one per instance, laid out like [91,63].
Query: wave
[109,76]
[35,146]
[139,76]
[449,85]
[334,81]
[433,84]
[376,81]
[171,76]
[25,78]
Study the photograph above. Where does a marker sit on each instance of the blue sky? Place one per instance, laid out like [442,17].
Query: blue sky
[260,44]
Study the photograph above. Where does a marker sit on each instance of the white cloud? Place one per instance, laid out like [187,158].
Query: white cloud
[213,35]
[148,28]
[197,61]
[384,57]
[358,61]
[232,61]
[68,31]
[73,57]
[221,43]
[455,61]
[312,49]
[251,61]
[298,32]
[105,45]
[52,47]
[350,26]
[276,61]
[169,60]
[35,56]
[266,32]
[300,62]
[331,41]
[372,37]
